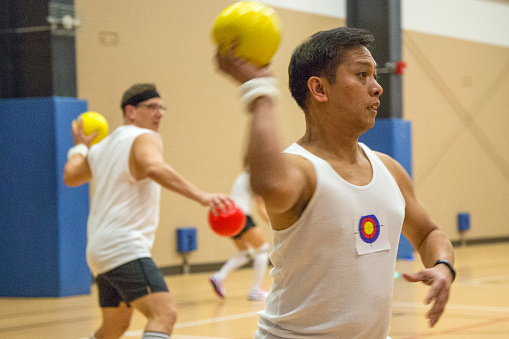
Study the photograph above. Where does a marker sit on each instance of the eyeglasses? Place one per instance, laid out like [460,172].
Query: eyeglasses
[153,107]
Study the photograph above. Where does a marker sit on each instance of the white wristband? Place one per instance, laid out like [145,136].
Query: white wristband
[77,149]
[258,87]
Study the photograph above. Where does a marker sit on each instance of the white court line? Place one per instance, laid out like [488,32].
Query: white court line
[135,333]
[138,333]
[216,320]
[456,307]
[483,280]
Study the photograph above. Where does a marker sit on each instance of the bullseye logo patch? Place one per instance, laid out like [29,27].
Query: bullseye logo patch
[371,234]
[369,228]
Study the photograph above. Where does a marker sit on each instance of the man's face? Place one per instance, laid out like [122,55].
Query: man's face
[148,114]
[355,94]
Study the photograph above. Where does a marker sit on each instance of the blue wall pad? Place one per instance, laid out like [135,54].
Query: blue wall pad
[42,221]
[394,137]
[463,222]
[186,239]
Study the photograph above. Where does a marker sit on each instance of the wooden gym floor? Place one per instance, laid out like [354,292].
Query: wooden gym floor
[478,308]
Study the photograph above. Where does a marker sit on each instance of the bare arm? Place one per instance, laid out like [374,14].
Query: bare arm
[260,209]
[146,160]
[285,182]
[431,243]
[77,170]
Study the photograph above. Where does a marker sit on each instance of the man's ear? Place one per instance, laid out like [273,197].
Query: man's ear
[130,112]
[317,89]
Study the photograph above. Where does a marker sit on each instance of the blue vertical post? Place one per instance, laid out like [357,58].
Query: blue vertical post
[42,221]
[394,137]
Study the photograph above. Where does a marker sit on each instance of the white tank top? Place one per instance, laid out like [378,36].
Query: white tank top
[124,212]
[334,268]
[241,192]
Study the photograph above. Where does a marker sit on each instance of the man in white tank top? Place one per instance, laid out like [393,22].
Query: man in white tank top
[337,208]
[128,171]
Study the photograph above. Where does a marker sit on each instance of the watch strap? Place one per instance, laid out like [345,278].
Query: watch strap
[449,265]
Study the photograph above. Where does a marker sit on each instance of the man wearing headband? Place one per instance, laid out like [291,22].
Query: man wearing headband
[128,171]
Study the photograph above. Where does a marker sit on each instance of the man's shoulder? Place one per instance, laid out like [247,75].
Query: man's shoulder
[394,167]
[132,131]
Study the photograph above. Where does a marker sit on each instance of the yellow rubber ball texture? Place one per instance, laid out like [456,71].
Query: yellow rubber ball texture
[255,27]
[93,121]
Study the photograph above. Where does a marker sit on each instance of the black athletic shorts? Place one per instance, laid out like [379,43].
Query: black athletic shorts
[248,225]
[129,282]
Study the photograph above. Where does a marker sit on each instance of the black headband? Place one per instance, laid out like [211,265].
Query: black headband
[140,97]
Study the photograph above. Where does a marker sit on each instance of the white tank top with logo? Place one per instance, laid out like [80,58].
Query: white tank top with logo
[334,268]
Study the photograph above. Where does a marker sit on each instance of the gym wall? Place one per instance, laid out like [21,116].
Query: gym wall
[453,95]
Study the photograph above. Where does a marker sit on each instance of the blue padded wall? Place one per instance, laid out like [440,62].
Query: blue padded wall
[394,137]
[42,221]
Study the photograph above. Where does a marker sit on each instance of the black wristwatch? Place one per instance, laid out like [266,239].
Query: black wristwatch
[448,264]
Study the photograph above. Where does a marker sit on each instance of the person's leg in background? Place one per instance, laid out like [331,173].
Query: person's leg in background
[243,257]
[260,262]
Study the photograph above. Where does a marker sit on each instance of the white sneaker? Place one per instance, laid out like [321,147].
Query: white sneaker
[257,295]
[217,284]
